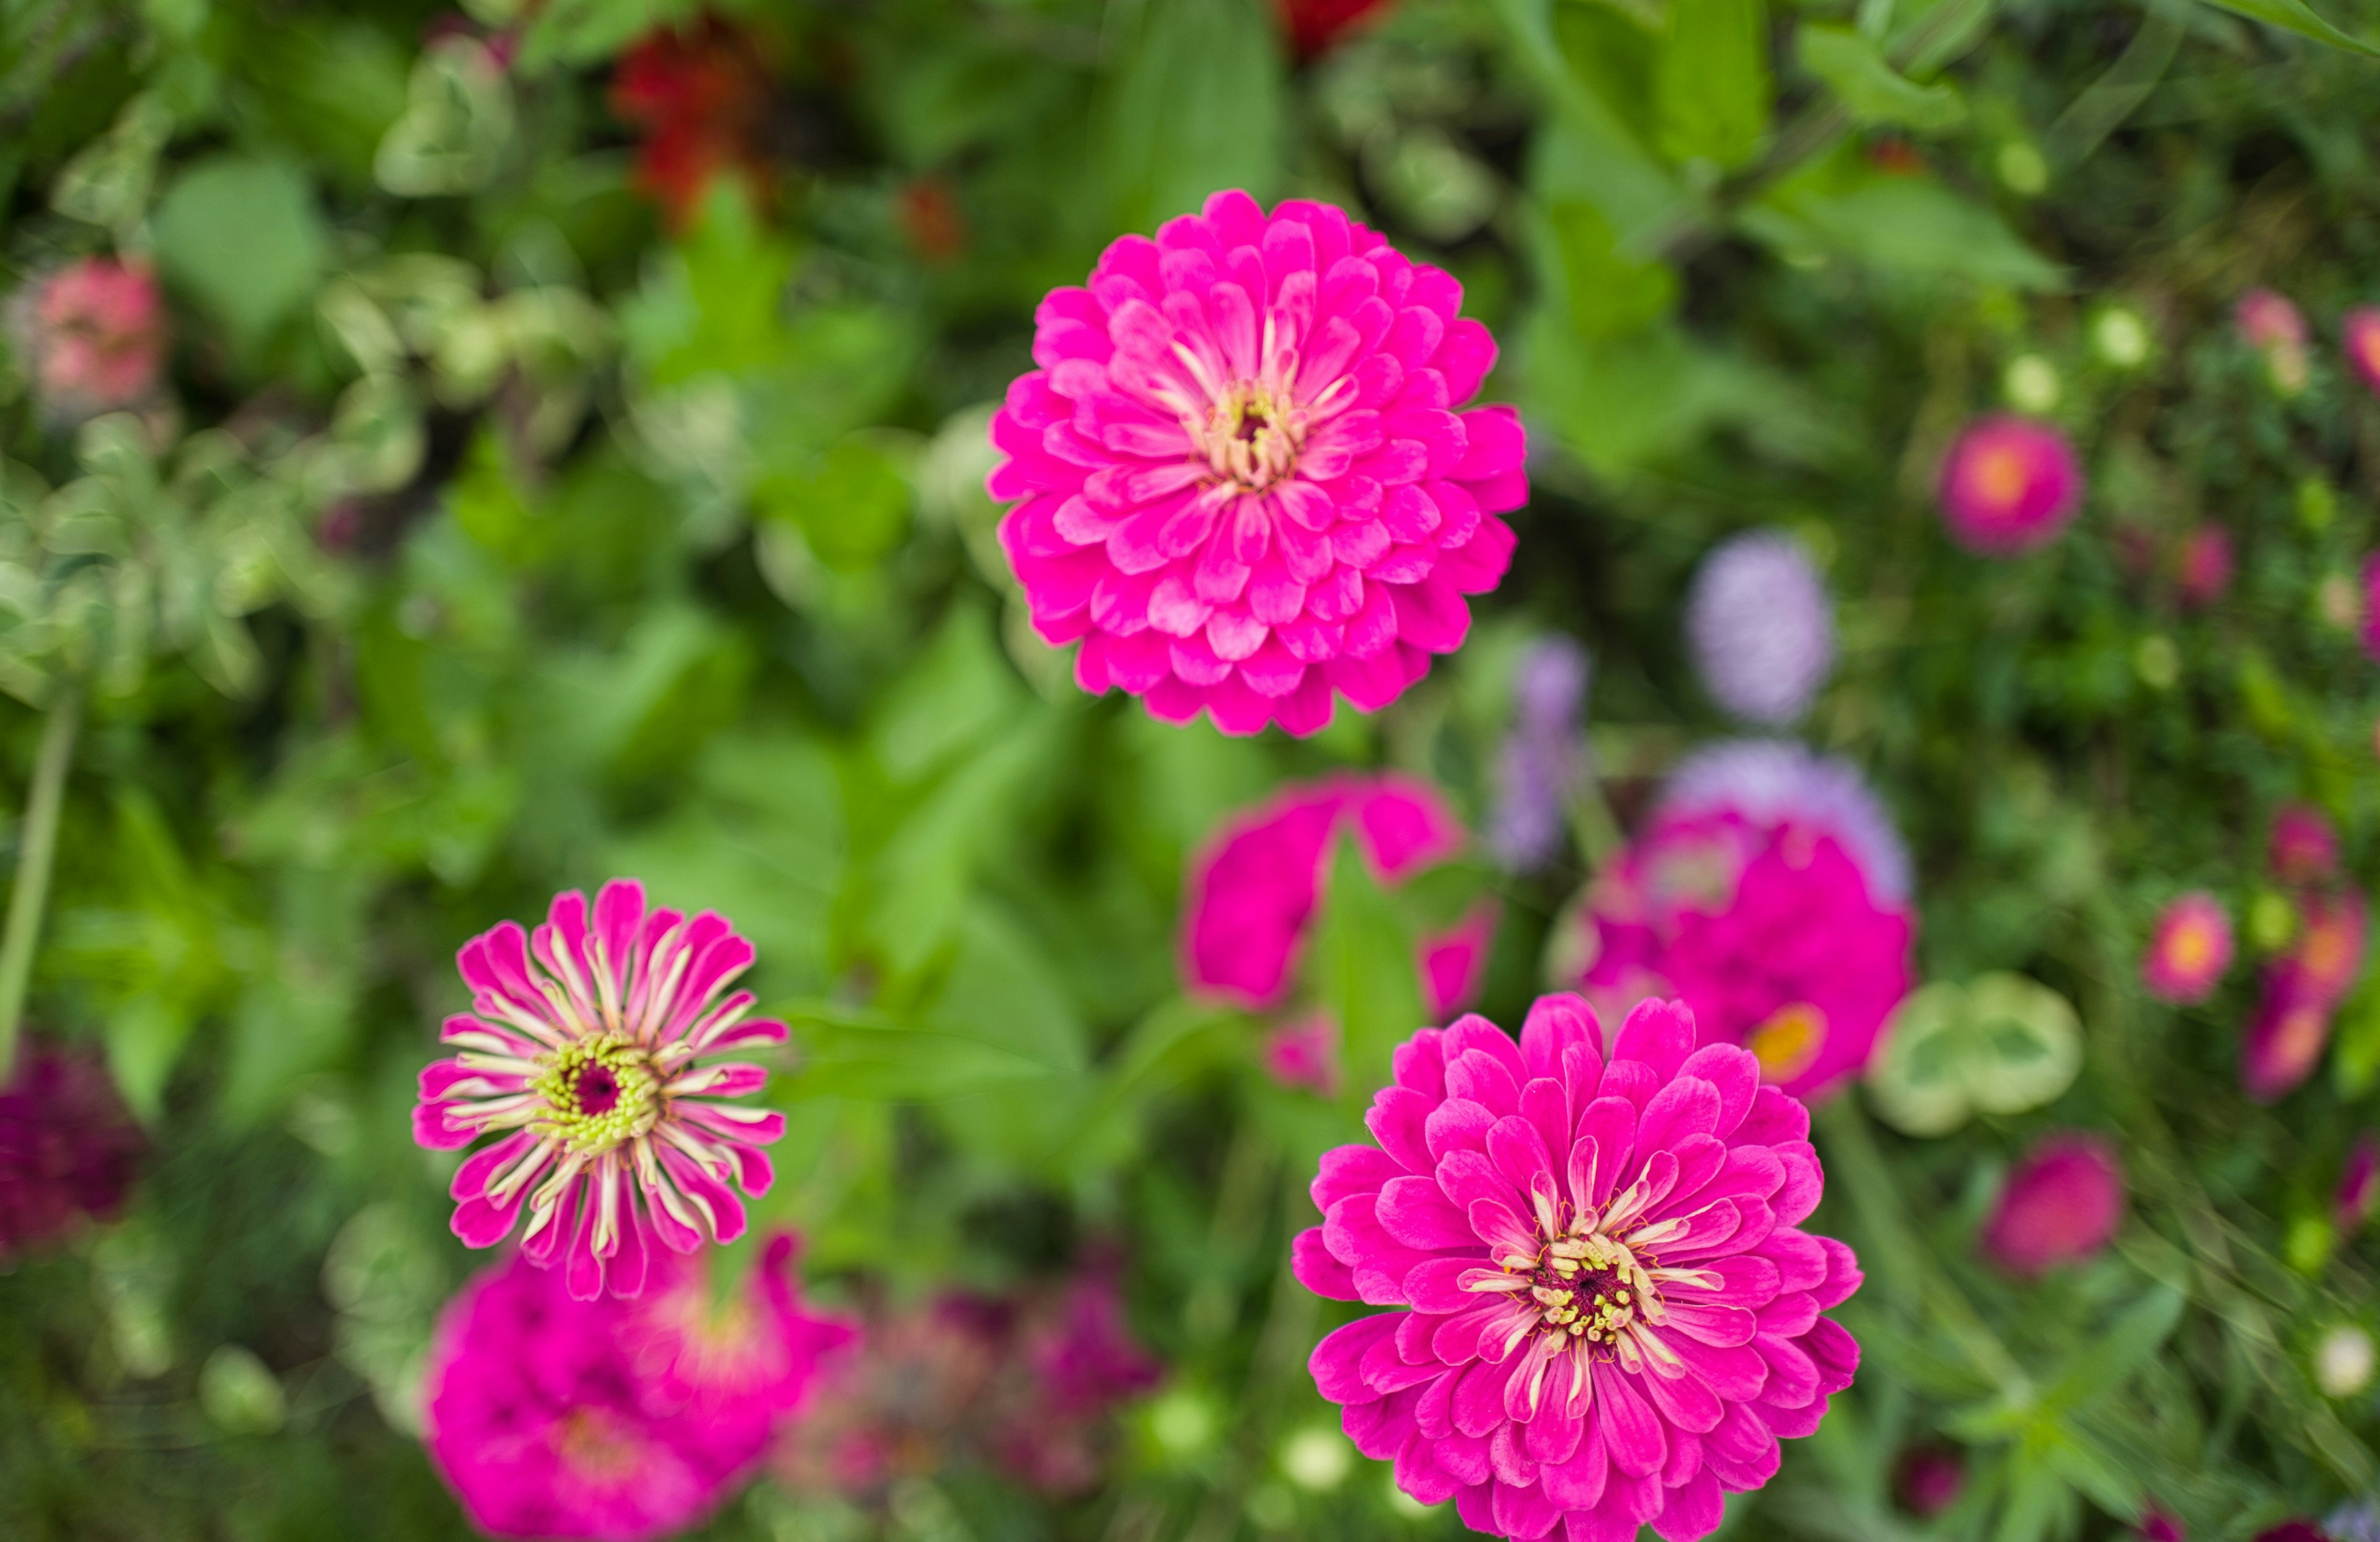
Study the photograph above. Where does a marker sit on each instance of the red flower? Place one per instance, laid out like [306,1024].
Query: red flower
[1315,25]
[699,94]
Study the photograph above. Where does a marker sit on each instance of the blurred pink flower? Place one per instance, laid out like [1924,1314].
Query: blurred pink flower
[94,331]
[1543,1368]
[2009,485]
[2190,949]
[1930,1480]
[610,1419]
[2359,330]
[2303,848]
[2293,1530]
[593,1055]
[1255,888]
[1772,905]
[2157,1525]
[2359,1185]
[2206,565]
[2301,989]
[1454,961]
[2370,630]
[68,1149]
[1240,481]
[2060,1204]
[2270,324]
[1304,1052]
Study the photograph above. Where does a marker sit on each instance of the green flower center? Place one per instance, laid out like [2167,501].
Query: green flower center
[599,1092]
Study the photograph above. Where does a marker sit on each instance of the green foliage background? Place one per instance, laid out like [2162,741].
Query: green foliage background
[498,539]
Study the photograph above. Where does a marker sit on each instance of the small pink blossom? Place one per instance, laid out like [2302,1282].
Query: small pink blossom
[1255,888]
[2009,485]
[2303,848]
[1454,961]
[551,1417]
[2302,991]
[95,334]
[1241,478]
[2359,1185]
[2159,1525]
[1770,906]
[2061,1205]
[2190,949]
[1303,1053]
[2206,565]
[592,1052]
[2360,331]
[1930,1480]
[2270,324]
[1604,1311]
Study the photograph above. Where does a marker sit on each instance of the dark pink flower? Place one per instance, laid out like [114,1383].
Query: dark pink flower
[1305,1054]
[2190,949]
[68,1150]
[1241,480]
[2359,330]
[2304,849]
[1770,929]
[2206,565]
[2009,485]
[2359,1185]
[594,1056]
[556,1417]
[2060,1204]
[2270,324]
[1607,1312]
[2301,989]
[1454,961]
[1255,888]
[2293,1530]
[2159,1525]
[1930,1480]
[95,332]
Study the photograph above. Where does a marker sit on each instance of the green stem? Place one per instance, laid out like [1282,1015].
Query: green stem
[37,846]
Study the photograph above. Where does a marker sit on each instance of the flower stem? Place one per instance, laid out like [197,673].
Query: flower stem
[36,845]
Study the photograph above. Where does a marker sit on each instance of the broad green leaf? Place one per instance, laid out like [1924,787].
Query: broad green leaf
[1857,71]
[2298,17]
[1914,227]
[1610,292]
[243,238]
[921,876]
[1711,85]
[1199,104]
[954,693]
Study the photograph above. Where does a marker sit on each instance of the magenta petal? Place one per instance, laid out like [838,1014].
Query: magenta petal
[481,1225]
[1352,1170]
[1631,1432]
[1414,1212]
[1316,1269]
[1691,1512]
[1577,1483]
[1337,1362]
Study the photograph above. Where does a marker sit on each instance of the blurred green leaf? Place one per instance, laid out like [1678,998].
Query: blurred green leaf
[2297,17]
[1364,971]
[244,238]
[1855,70]
[1711,86]
[1195,105]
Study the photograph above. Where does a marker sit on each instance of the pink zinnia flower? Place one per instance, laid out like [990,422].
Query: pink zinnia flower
[2274,326]
[2009,485]
[2359,1185]
[68,1149]
[593,1054]
[1774,911]
[1241,481]
[556,1417]
[2190,949]
[1254,890]
[2060,1204]
[1607,1314]
[2206,565]
[2304,849]
[94,331]
[2360,331]
[1305,1054]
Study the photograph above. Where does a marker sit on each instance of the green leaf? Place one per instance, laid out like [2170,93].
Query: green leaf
[1857,71]
[2298,17]
[2118,1350]
[1363,972]
[1610,292]
[1199,104]
[852,507]
[243,240]
[921,876]
[1911,225]
[1711,86]
[2000,1044]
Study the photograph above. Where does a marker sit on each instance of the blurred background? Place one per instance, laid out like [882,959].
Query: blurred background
[453,456]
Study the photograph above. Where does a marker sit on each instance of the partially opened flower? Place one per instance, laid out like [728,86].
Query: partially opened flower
[615,1420]
[2360,331]
[593,1052]
[2304,849]
[69,1148]
[2009,485]
[95,332]
[1768,894]
[2190,949]
[2272,325]
[1255,889]
[2206,565]
[1241,478]
[2060,1204]
[1760,627]
[2359,1185]
[1606,1313]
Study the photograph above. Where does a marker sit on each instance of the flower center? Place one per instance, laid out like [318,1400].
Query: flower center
[1788,1042]
[594,1444]
[1251,436]
[1588,1287]
[2000,476]
[597,1093]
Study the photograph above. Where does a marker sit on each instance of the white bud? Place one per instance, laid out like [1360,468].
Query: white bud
[2343,1361]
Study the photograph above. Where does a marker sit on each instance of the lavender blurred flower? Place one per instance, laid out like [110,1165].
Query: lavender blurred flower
[1760,626]
[1775,782]
[1543,757]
